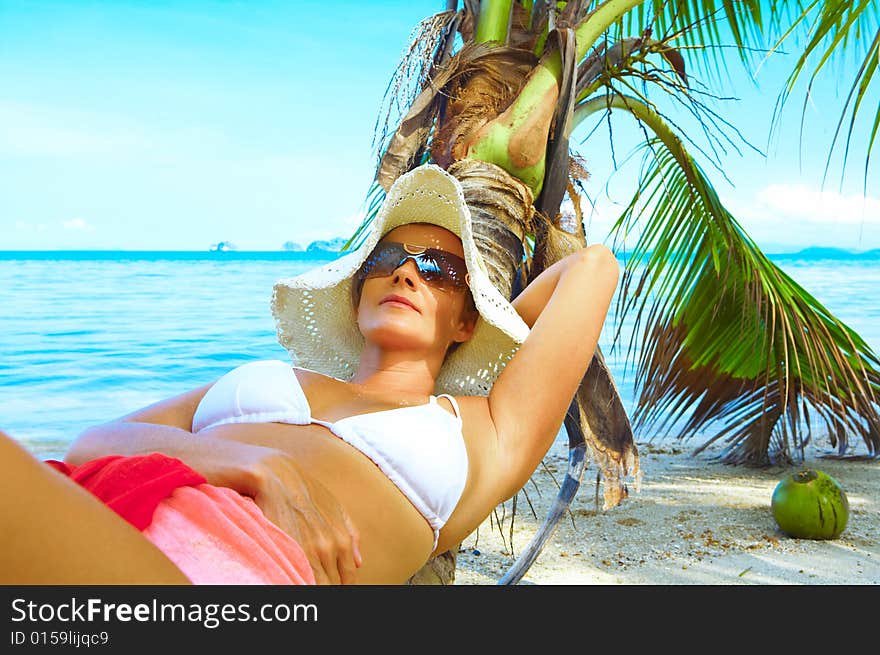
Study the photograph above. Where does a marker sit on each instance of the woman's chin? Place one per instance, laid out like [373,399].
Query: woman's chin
[395,335]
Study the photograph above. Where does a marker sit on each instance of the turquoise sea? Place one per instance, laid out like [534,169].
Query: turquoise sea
[86,337]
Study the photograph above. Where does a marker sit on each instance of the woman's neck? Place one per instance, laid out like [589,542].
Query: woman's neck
[403,373]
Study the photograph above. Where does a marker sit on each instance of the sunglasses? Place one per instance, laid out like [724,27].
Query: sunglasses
[438,268]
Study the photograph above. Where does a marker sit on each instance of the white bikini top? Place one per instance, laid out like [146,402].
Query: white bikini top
[420,447]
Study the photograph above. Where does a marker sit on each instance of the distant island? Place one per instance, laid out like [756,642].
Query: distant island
[820,252]
[319,248]
[333,245]
[812,253]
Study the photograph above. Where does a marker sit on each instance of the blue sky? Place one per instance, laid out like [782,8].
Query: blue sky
[175,125]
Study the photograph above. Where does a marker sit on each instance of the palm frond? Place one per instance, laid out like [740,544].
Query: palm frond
[637,70]
[701,28]
[834,28]
[726,335]
[372,203]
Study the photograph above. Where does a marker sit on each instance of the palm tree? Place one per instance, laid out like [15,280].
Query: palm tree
[727,337]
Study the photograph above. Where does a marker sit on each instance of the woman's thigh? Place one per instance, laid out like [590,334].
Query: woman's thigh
[56,532]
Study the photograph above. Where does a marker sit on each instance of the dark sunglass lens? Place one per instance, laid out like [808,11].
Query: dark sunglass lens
[453,267]
[383,260]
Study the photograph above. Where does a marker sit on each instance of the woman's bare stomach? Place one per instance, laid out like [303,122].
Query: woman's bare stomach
[395,539]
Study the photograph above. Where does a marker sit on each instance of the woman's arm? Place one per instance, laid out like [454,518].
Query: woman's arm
[565,306]
[165,427]
[289,497]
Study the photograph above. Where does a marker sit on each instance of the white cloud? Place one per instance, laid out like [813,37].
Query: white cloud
[781,202]
[784,217]
[77,224]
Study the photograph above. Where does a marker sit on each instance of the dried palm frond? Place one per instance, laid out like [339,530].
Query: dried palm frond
[463,93]
[430,46]
[557,157]
[488,80]
[525,28]
[577,175]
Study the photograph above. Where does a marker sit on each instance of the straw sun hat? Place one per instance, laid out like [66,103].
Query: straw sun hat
[318,326]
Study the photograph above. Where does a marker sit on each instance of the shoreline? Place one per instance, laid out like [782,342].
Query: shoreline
[694,522]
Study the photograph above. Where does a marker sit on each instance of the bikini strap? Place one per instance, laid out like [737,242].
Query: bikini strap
[453,402]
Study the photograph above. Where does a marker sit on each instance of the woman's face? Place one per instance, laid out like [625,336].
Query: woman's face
[428,316]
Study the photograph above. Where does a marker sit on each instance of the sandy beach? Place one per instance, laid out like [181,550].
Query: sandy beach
[694,522]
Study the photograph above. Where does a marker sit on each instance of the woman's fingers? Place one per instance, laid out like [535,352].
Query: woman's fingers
[347,557]
[311,514]
[355,539]
[316,544]
[302,530]
[326,542]
[343,538]
[343,554]
[328,560]
[347,570]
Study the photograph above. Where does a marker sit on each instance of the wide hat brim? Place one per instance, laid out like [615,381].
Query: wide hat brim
[317,324]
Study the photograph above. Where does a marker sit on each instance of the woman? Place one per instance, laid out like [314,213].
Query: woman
[350,452]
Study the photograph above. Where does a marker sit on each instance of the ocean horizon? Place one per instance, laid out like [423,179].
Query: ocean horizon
[89,336]
[815,253]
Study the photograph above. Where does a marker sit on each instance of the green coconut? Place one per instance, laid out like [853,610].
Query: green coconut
[810,504]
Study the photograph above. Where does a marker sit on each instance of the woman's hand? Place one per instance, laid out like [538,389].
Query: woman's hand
[308,512]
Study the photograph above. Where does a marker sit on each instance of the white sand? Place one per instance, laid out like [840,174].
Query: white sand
[694,522]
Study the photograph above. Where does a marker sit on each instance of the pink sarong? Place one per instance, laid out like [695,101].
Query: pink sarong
[214,535]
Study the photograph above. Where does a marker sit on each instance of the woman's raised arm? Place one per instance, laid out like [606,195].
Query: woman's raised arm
[565,306]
